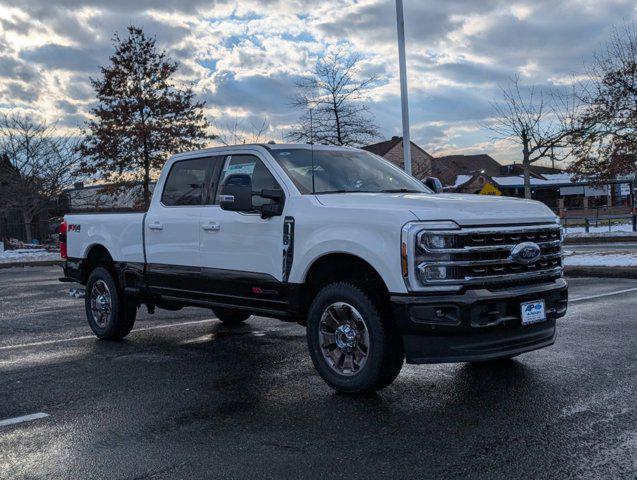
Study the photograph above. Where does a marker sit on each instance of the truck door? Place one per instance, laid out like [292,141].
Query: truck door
[172,227]
[242,253]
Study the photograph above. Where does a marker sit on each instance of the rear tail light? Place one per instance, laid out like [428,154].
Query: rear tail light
[63,251]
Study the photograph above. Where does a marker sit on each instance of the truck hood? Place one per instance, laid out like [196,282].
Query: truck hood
[464,209]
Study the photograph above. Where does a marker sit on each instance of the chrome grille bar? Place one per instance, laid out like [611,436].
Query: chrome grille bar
[469,262]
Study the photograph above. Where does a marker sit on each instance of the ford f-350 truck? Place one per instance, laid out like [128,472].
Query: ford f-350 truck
[378,267]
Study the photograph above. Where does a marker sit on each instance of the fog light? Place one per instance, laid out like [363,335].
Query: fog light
[430,273]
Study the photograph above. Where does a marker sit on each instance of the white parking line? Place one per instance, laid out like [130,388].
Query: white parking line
[591,297]
[24,418]
[86,337]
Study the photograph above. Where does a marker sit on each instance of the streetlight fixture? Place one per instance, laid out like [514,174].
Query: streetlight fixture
[400,20]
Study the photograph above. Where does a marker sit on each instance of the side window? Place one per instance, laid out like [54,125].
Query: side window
[250,165]
[186,183]
[213,179]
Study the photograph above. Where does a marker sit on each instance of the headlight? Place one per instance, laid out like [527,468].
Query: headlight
[435,241]
[422,259]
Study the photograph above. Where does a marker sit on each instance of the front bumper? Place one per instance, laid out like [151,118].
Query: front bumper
[477,325]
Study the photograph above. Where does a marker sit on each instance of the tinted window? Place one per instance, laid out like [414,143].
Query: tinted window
[250,165]
[186,183]
[213,183]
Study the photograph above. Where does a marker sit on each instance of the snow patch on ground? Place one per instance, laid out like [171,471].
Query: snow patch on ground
[600,259]
[601,231]
[27,255]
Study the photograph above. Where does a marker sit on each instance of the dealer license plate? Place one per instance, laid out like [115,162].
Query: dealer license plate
[533,312]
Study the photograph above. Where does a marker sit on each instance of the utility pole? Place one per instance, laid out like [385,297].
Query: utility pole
[400,20]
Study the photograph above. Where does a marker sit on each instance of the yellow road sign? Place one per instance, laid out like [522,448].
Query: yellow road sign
[490,189]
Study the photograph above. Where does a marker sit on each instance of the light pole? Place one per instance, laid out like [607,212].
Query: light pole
[400,20]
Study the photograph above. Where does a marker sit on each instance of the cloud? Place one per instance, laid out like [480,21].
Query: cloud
[20,92]
[11,67]
[61,57]
[243,57]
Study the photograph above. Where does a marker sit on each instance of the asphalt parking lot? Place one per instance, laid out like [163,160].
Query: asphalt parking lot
[184,397]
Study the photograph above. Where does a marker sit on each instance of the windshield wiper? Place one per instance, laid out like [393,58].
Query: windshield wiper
[345,191]
[400,190]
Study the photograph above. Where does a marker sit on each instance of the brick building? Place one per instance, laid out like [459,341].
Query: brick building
[392,150]
[449,167]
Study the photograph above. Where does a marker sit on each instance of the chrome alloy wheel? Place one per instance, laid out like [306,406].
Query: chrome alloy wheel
[101,304]
[344,338]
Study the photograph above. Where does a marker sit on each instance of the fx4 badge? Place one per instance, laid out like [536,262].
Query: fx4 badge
[73,227]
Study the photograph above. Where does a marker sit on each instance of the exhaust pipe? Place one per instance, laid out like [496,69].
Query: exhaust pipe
[77,293]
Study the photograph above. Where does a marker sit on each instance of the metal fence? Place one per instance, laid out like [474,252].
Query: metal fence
[12,226]
[601,224]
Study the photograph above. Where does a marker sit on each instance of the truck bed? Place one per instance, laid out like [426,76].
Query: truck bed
[122,234]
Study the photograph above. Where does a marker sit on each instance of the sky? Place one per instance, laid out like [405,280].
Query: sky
[243,58]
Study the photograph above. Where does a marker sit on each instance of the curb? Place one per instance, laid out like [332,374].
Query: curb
[605,239]
[39,263]
[608,272]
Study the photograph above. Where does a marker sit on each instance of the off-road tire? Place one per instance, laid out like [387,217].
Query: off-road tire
[122,314]
[385,355]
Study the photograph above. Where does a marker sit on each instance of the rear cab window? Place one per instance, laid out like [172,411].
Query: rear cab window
[189,182]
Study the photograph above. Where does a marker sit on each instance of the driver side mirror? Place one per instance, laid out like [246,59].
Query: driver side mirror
[434,184]
[236,193]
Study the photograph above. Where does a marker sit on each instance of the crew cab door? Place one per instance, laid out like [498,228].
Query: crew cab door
[172,227]
[242,253]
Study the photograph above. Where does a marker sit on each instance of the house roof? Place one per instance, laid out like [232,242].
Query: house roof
[536,170]
[382,148]
[448,167]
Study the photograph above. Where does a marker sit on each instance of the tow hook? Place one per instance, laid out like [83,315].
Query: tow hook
[77,292]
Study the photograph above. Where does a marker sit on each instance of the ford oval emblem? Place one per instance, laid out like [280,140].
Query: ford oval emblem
[526,253]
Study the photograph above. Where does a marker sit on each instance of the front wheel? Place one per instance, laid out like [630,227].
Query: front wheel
[110,315]
[354,347]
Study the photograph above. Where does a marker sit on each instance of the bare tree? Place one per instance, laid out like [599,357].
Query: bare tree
[236,132]
[331,101]
[608,146]
[541,122]
[35,166]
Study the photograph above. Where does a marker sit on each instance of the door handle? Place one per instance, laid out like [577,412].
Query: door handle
[211,227]
[155,226]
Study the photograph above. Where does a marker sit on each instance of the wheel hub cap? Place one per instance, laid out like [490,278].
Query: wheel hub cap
[100,303]
[344,338]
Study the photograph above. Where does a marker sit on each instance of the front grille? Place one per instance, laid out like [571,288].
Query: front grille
[483,255]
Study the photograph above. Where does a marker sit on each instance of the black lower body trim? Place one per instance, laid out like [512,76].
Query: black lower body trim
[212,303]
[209,287]
[478,324]
[491,345]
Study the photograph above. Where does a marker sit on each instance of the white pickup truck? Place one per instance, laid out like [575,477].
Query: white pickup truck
[377,266]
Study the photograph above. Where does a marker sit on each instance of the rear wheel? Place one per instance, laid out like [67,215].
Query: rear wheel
[230,317]
[110,315]
[354,347]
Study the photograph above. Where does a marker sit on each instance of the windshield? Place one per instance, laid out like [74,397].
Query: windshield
[339,171]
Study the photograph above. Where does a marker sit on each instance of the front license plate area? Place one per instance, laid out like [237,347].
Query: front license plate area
[533,312]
